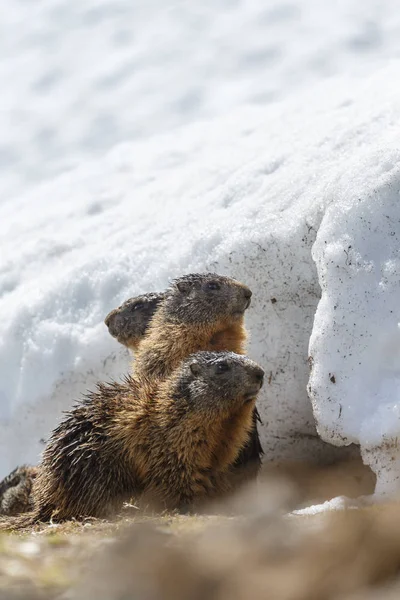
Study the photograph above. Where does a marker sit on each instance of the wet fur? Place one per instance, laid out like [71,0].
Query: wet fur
[15,490]
[166,343]
[129,440]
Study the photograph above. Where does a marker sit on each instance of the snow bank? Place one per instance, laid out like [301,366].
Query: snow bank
[355,343]
[240,195]
[241,150]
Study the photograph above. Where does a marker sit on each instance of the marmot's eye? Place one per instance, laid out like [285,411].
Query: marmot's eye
[138,306]
[222,367]
[213,285]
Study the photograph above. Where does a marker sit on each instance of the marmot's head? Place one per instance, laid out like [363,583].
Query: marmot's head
[205,298]
[128,322]
[217,382]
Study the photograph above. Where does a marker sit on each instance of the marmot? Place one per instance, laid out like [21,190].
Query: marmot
[15,491]
[128,322]
[191,302]
[197,312]
[174,443]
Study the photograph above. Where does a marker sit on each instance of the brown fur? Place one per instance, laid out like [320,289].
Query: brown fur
[167,344]
[192,318]
[15,491]
[129,322]
[132,440]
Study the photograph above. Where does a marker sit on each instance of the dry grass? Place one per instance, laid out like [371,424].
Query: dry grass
[46,560]
[246,549]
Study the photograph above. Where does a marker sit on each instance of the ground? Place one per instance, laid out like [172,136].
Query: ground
[178,554]
[48,559]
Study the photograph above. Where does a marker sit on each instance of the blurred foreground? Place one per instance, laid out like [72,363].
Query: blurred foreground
[248,548]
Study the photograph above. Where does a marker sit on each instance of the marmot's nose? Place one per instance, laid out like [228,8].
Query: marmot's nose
[247,295]
[247,292]
[110,317]
[257,375]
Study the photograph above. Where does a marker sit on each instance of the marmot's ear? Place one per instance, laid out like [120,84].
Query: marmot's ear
[195,368]
[183,287]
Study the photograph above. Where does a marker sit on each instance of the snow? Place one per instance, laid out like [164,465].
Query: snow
[145,140]
[80,76]
[338,503]
[355,381]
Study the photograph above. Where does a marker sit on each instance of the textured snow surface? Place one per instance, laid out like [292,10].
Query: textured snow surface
[79,76]
[250,131]
[355,381]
